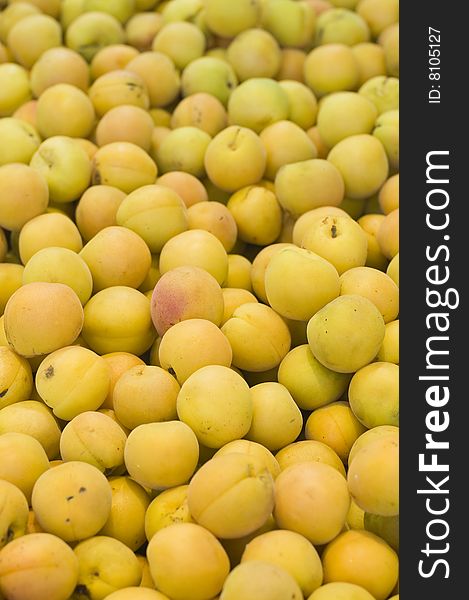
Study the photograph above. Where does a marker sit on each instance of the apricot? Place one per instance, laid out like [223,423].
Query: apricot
[24,194]
[237,484]
[59,65]
[114,57]
[309,451]
[16,380]
[209,75]
[30,37]
[20,140]
[186,185]
[160,76]
[91,31]
[125,123]
[331,68]
[183,149]
[14,81]
[97,209]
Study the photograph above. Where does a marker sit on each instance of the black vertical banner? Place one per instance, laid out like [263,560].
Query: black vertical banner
[434,325]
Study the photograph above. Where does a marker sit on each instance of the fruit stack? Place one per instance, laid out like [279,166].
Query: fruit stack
[199,299]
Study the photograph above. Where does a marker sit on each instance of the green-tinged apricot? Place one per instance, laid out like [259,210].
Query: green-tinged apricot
[285,143]
[168,508]
[235,158]
[160,76]
[302,102]
[259,266]
[126,521]
[105,565]
[364,559]
[142,28]
[307,488]
[14,12]
[388,235]
[66,167]
[116,256]
[343,114]
[113,58]
[125,123]
[239,273]
[16,90]
[346,334]
[389,351]
[276,420]
[374,285]
[254,53]
[97,209]
[309,382]
[341,26]
[215,218]
[16,381]
[308,184]
[183,149]
[122,10]
[91,31]
[387,131]
[298,283]
[226,19]
[23,461]
[200,110]
[303,222]
[216,403]
[32,418]
[172,444]
[155,213]
[59,65]
[290,551]
[210,75]
[116,88]
[374,394]
[182,41]
[251,448]
[20,140]
[341,591]
[336,426]
[186,185]
[186,292]
[181,351]
[382,91]
[23,195]
[38,565]
[258,336]
[156,390]
[82,500]
[197,248]
[331,68]
[117,319]
[11,278]
[257,103]
[44,231]
[190,549]
[389,41]
[373,476]
[32,36]
[60,265]
[338,240]
[123,165]
[379,14]
[371,60]
[14,514]
[309,451]
[42,317]
[370,435]
[260,580]
[96,439]
[257,214]
[370,223]
[353,157]
[293,24]
[72,380]
[136,593]
[238,484]
[234,297]
[388,196]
